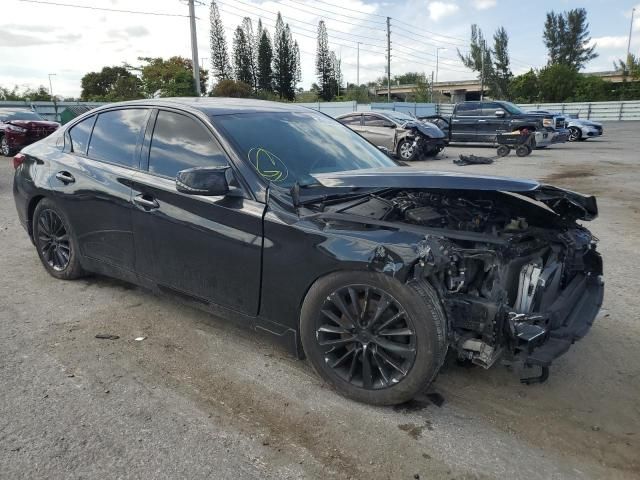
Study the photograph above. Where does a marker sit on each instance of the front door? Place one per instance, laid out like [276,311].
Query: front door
[206,247]
[490,124]
[379,131]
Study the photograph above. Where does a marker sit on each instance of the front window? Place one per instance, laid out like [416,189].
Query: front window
[400,117]
[512,108]
[286,148]
[21,115]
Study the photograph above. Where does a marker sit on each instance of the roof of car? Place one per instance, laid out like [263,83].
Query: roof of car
[14,109]
[220,105]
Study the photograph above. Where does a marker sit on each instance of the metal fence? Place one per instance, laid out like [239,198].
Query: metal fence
[605,111]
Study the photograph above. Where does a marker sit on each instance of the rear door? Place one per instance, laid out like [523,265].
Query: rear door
[379,130]
[464,124]
[208,248]
[490,124]
[92,184]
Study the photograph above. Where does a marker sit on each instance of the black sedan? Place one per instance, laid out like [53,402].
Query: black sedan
[286,220]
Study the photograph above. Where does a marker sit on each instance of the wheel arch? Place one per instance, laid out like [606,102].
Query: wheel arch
[31,208]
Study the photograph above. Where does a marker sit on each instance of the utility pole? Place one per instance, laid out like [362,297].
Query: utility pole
[194,46]
[437,60]
[633,11]
[482,70]
[388,59]
[358,67]
[431,86]
[53,99]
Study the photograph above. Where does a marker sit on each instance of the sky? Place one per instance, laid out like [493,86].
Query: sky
[37,39]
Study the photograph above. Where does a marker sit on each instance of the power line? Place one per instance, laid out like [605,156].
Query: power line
[380,23]
[116,10]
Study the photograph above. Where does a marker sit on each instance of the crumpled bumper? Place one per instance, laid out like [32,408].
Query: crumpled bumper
[570,318]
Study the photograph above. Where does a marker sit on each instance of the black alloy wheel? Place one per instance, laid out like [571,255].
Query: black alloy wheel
[574,134]
[366,337]
[53,240]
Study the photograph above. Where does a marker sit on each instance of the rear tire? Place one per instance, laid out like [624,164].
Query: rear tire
[55,241]
[523,150]
[503,150]
[347,343]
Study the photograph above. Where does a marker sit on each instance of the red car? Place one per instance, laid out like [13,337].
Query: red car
[20,127]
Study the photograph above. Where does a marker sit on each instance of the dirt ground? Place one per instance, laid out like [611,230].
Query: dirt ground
[200,397]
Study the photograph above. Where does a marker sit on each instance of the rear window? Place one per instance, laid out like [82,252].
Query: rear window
[116,135]
[468,109]
[79,135]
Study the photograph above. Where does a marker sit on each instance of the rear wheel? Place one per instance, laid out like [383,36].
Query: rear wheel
[523,150]
[503,150]
[574,134]
[55,241]
[373,338]
[406,150]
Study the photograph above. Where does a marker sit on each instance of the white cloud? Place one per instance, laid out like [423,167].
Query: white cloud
[484,4]
[438,10]
[609,42]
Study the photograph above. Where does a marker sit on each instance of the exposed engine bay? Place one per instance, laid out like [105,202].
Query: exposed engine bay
[517,280]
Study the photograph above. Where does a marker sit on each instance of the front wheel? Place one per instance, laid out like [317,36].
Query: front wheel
[574,134]
[374,339]
[406,150]
[55,241]
[5,149]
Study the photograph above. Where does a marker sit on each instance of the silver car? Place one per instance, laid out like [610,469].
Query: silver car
[401,134]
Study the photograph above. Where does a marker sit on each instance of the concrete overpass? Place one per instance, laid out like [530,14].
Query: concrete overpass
[460,90]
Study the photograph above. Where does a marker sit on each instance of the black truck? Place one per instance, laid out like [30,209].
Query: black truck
[482,121]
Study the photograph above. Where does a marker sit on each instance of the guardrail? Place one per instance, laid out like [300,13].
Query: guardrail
[605,111]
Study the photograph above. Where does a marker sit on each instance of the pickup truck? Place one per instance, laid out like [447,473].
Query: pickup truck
[480,122]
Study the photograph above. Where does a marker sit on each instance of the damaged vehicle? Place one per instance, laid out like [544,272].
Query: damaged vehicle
[282,219]
[20,127]
[397,132]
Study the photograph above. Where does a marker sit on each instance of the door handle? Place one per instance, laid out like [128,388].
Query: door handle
[145,202]
[482,121]
[65,177]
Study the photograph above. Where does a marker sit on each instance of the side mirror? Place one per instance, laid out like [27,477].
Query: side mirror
[210,181]
[500,113]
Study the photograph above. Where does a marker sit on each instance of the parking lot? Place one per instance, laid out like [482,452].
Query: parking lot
[198,397]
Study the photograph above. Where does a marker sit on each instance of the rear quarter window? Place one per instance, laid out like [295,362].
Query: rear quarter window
[79,135]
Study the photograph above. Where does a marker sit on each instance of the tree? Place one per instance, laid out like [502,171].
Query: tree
[265,57]
[591,88]
[219,58]
[421,92]
[231,88]
[242,54]
[566,36]
[479,57]
[524,88]
[252,51]
[557,82]
[169,78]
[630,69]
[285,66]
[501,71]
[324,70]
[111,84]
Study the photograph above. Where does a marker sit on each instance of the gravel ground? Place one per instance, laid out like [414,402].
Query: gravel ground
[200,397]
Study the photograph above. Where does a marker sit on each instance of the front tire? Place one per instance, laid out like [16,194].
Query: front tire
[4,147]
[407,151]
[374,339]
[55,241]
[574,134]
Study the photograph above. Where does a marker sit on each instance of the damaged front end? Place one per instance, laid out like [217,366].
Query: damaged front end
[518,278]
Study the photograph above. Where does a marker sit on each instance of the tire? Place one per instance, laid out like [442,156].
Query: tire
[523,150]
[405,151]
[399,368]
[55,241]
[574,134]
[433,153]
[503,150]
[4,147]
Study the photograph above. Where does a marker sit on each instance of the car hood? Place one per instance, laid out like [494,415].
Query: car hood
[428,129]
[33,124]
[563,202]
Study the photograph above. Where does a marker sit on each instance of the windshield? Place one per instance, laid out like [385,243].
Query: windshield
[512,108]
[286,148]
[19,115]
[399,116]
